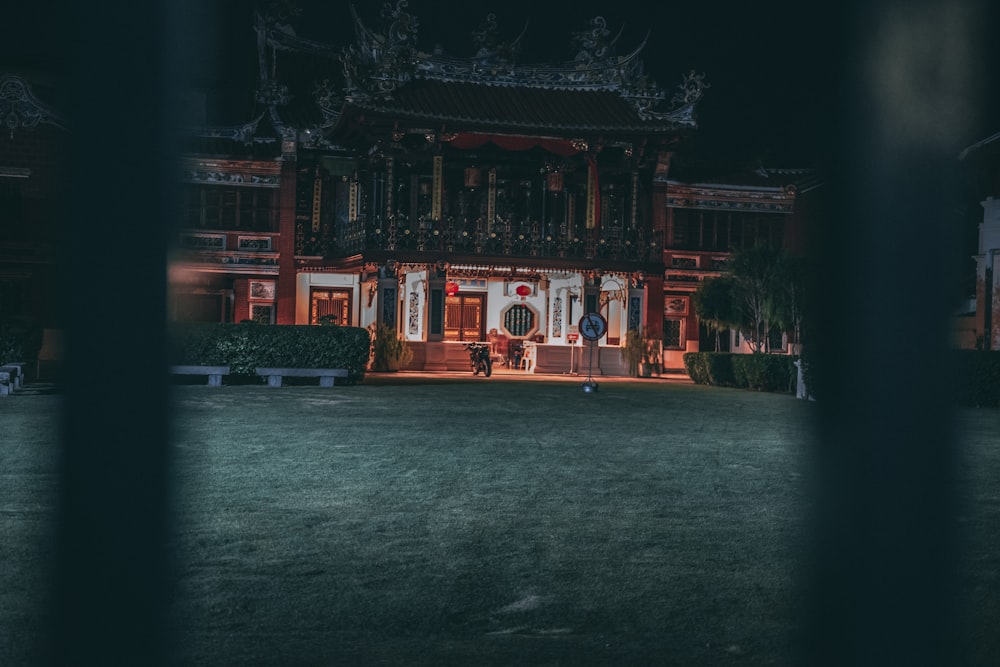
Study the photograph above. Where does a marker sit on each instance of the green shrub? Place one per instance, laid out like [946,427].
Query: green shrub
[976,373]
[20,339]
[244,347]
[762,372]
[389,351]
[713,368]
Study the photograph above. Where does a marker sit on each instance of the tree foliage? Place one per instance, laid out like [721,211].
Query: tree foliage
[714,301]
[763,288]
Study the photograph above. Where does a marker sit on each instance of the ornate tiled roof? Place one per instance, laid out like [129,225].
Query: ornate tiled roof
[510,108]
[304,86]
[385,72]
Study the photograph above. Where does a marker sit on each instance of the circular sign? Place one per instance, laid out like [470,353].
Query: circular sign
[593,326]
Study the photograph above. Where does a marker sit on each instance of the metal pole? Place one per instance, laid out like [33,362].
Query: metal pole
[589,385]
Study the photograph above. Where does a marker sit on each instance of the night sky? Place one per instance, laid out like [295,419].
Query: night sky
[776,67]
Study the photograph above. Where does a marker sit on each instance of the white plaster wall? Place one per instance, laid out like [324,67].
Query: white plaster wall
[367,313]
[616,314]
[415,283]
[497,302]
[562,285]
[305,281]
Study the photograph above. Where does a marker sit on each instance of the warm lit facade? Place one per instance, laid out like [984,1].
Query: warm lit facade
[711,213]
[452,198]
[460,199]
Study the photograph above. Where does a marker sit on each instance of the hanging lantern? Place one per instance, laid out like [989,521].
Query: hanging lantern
[523,290]
[451,288]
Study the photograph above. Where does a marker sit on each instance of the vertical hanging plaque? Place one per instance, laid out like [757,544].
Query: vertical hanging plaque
[557,315]
[591,219]
[389,185]
[491,199]
[436,189]
[635,200]
[414,313]
[352,210]
[317,203]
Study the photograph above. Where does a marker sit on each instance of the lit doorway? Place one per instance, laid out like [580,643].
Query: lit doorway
[463,317]
[335,303]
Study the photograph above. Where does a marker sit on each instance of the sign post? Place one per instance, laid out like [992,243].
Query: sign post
[592,327]
[572,338]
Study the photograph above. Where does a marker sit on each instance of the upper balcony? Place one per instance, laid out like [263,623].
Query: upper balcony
[451,237]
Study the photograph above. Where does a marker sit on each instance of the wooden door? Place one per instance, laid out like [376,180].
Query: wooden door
[463,317]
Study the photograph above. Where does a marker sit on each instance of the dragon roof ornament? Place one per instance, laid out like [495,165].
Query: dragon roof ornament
[491,47]
[20,109]
[379,62]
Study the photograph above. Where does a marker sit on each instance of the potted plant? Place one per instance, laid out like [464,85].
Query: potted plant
[328,320]
[389,351]
[634,350]
[652,364]
[641,354]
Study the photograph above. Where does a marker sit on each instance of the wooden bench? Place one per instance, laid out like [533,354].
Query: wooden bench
[326,375]
[214,373]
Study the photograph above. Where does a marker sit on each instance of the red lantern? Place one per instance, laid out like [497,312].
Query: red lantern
[450,288]
[523,290]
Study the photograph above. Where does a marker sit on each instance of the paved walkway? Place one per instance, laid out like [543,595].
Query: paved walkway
[500,374]
[504,374]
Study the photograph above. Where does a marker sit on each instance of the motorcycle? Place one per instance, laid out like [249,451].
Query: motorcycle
[479,358]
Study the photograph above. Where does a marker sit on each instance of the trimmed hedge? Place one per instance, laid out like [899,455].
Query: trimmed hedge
[761,372]
[765,372]
[20,339]
[976,373]
[244,347]
[714,368]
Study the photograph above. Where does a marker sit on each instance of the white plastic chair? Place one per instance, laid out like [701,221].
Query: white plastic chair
[528,357]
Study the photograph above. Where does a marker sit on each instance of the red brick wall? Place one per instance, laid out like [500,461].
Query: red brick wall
[285,288]
[241,298]
[654,307]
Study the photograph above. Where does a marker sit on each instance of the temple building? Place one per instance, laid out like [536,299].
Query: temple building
[452,198]
[461,198]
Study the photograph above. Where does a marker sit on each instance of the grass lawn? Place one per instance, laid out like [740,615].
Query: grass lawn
[481,522]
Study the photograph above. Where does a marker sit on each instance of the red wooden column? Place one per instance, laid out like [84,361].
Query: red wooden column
[285,287]
[241,299]
[654,307]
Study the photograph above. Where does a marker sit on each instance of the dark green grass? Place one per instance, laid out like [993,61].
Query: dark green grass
[483,523]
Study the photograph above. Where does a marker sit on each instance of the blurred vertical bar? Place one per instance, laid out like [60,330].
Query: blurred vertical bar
[884,582]
[113,571]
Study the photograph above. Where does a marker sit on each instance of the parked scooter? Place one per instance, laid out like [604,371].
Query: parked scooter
[479,358]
